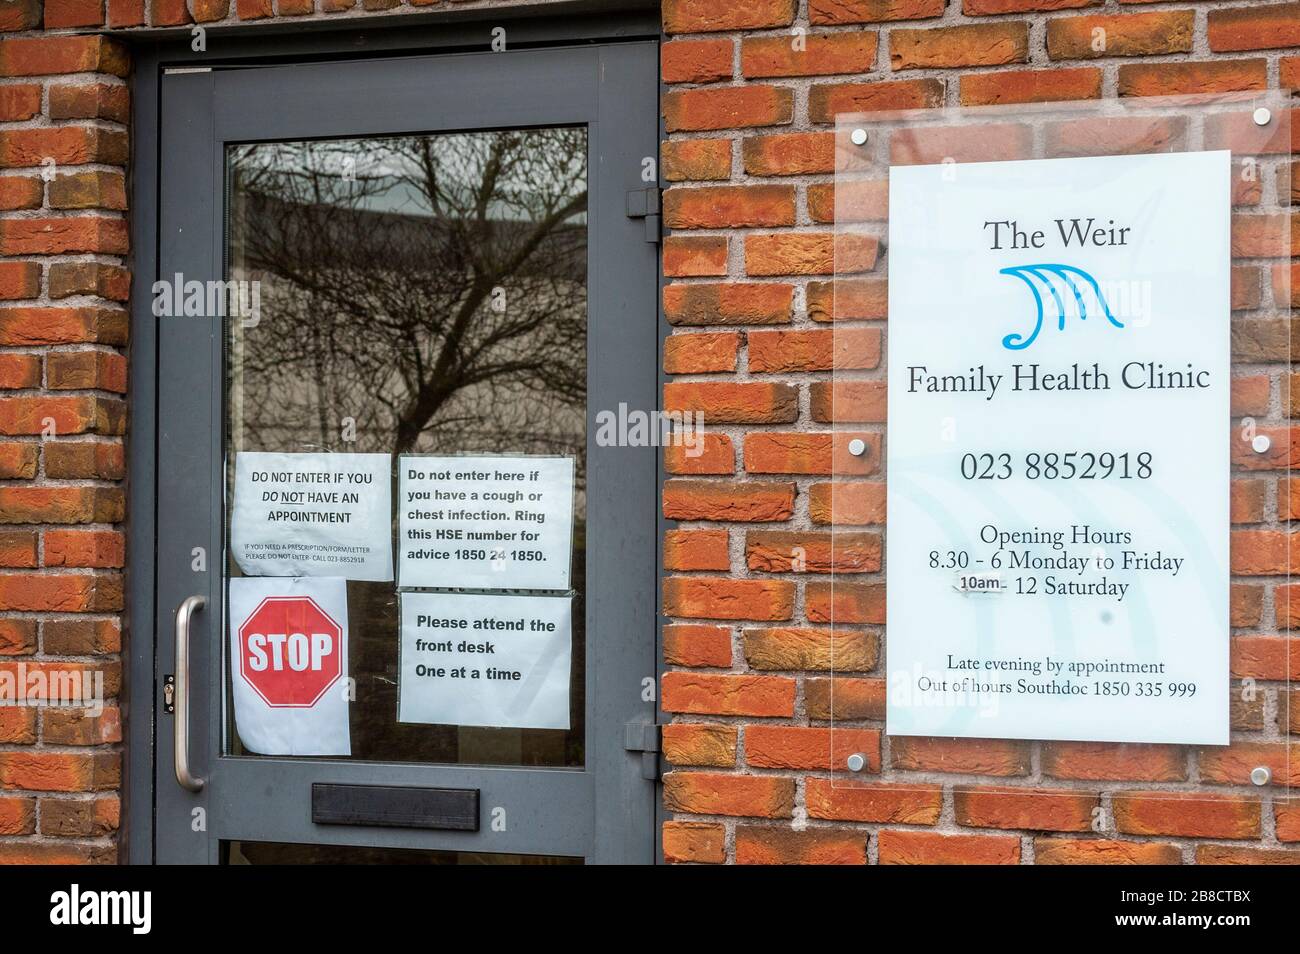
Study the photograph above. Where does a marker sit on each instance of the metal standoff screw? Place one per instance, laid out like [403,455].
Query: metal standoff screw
[857,447]
[1260,775]
[858,137]
[1260,443]
[1262,116]
[857,762]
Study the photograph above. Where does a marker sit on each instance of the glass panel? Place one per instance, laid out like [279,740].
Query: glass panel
[276,853]
[420,294]
[1062,341]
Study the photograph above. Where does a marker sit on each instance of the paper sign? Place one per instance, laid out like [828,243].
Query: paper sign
[485,660]
[1057,456]
[313,515]
[289,664]
[485,522]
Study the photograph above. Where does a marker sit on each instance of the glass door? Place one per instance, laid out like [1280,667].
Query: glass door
[393,297]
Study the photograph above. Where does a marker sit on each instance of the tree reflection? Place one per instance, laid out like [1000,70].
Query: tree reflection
[431,288]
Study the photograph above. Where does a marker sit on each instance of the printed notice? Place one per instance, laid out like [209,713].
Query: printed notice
[1058,474]
[313,515]
[485,660]
[485,522]
[289,664]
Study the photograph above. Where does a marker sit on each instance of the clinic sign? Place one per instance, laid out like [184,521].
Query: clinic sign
[1058,479]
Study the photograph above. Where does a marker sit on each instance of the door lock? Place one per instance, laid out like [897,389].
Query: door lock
[169,694]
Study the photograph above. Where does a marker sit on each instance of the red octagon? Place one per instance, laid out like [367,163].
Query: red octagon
[290,651]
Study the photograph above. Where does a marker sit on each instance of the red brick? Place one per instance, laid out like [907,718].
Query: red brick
[931,848]
[1030,86]
[727,108]
[809,253]
[777,452]
[688,644]
[734,402]
[1186,814]
[815,55]
[984,7]
[718,207]
[694,842]
[847,298]
[701,353]
[978,44]
[21,192]
[52,55]
[766,303]
[702,16]
[711,793]
[60,14]
[84,548]
[687,550]
[784,846]
[1095,761]
[1172,79]
[838,12]
[1254,27]
[18,548]
[694,256]
[728,695]
[784,551]
[699,597]
[847,202]
[789,154]
[786,352]
[840,800]
[1233,855]
[856,402]
[1116,135]
[696,61]
[699,159]
[805,747]
[1037,809]
[19,101]
[751,502]
[845,602]
[986,142]
[797,649]
[713,454]
[1000,757]
[91,101]
[1101,851]
[700,744]
[826,102]
[19,371]
[1138,34]
[56,236]
[857,503]
[65,145]
[1232,764]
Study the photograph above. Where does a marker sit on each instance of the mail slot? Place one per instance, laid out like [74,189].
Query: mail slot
[395,806]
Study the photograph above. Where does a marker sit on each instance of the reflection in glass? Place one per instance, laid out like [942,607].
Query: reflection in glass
[417,294]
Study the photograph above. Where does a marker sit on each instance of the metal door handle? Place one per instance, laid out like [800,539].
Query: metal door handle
[181,727]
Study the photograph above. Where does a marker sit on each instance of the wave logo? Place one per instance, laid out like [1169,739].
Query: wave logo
[1056,279]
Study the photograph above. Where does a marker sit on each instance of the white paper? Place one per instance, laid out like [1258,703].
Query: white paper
[485,522]
[1138,585]
[313,515]
[289,664]
[485,660]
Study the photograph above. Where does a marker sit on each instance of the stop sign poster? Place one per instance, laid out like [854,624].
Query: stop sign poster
[289,664]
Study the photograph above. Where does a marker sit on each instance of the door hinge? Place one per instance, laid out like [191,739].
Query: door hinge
[644,204]
[644,737]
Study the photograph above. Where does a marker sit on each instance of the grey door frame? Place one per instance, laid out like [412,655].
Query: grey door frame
[605,86]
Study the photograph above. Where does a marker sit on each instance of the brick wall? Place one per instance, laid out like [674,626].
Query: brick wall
[747,642]
[750,156]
